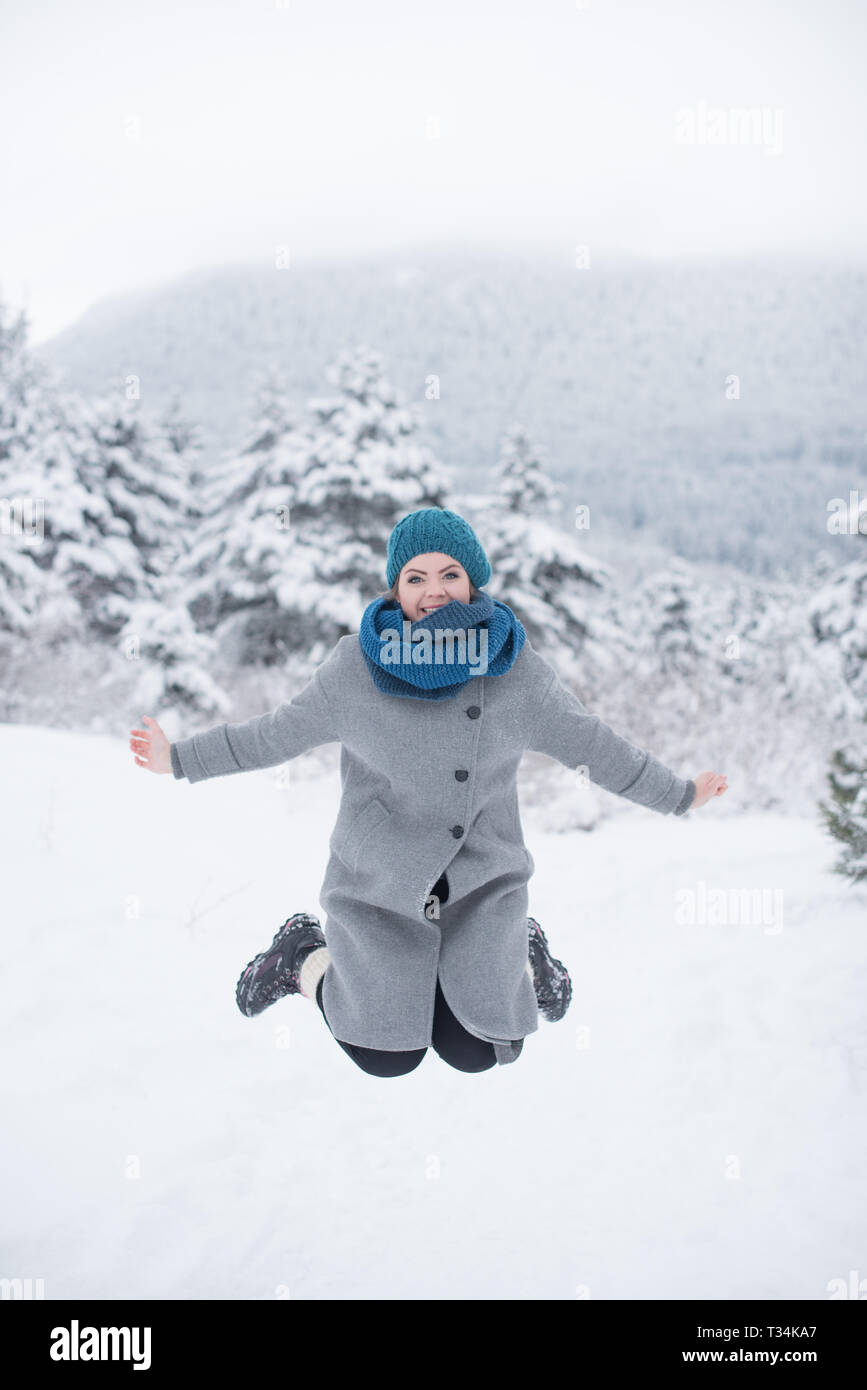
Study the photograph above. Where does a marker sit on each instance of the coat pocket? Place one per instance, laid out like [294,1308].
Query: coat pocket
[505,844]
[364,824]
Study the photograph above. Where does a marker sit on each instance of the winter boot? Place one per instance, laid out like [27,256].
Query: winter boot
[274,973]
[550,976]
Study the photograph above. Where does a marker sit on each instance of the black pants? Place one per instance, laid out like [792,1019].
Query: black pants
[462,1050]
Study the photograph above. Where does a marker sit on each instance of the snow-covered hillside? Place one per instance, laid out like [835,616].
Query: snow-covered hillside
[694,1127]
[712,405]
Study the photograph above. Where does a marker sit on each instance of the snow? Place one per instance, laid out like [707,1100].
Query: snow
[693,1128]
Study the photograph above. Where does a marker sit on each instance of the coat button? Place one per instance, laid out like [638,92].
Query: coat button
[474,711]
[462,774]
[457,831]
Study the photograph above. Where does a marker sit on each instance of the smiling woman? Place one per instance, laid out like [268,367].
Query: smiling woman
[429,582]
[429,761]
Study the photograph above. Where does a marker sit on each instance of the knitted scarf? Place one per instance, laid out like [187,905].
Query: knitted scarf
[410,660]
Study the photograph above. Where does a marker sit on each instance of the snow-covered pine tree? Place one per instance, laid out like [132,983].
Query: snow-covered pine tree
[178,635]
[172,660]
[295,547]
[541,571]
[26,413]
[674,635]
[233,552]
[520,477]
[668,598]
[42,437]
[25,385]
[103,494]
[186,438]
[838,616]
[846,815]
[159,633]
[120,543]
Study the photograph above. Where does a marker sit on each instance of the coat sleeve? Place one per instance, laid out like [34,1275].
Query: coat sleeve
[310,718]
[565,730]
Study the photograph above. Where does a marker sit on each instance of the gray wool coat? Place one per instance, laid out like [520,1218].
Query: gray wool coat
[429,786]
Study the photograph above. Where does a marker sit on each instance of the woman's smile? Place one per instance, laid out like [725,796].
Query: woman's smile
[431,568]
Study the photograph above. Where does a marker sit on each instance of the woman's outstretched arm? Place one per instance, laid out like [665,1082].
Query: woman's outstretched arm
[310,718]
[565,730]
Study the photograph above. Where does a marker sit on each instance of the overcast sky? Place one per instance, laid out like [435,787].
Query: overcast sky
[140,141]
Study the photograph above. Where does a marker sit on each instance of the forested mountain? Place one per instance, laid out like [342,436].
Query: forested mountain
[713,407]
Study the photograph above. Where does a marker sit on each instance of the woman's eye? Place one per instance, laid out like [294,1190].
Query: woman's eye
[452,575]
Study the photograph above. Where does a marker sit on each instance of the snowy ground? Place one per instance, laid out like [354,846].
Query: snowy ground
[693,1128]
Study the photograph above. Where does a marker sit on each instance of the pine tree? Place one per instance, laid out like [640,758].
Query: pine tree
[675,632]
[295,543]
[838,616]
[846,818]
[521,482]
[108,489]
[121,529]
[186,439]
[36,479]
[174,660]
[24,385]
[540,571]
[243,500]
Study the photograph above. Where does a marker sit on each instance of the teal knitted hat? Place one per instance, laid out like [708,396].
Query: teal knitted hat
[436,529]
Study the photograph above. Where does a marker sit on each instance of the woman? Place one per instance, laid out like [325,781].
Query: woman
[434,701]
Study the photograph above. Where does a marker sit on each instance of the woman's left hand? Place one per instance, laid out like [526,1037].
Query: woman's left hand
[707,784]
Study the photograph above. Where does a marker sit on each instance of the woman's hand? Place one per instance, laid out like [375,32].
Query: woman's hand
[707,784]
[151,747]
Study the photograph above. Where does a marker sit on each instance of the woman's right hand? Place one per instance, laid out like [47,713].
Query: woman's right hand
[707,784]
[151,747]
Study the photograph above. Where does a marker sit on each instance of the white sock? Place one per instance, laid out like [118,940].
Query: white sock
[313,967]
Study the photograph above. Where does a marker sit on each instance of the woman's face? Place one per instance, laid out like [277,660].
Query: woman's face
[428,581]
